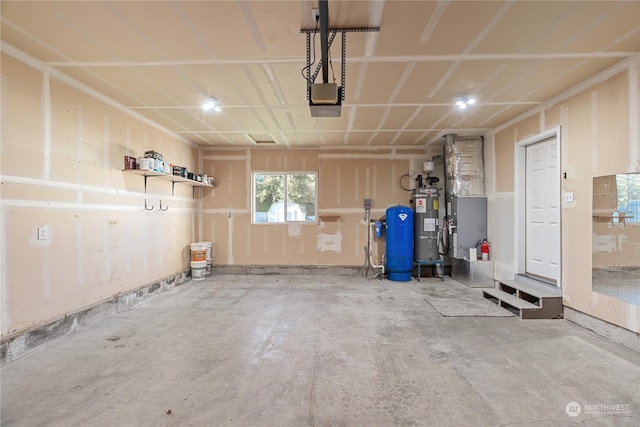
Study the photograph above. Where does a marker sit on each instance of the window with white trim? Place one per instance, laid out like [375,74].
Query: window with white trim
[284,197]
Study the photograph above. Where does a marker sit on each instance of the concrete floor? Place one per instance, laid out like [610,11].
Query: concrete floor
[275,350]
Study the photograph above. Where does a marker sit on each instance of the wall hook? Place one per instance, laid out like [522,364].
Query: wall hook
[165,209]
[145,195]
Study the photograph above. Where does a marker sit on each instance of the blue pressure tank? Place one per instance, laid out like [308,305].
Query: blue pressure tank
[399,243]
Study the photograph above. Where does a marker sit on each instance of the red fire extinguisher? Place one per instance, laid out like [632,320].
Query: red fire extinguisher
[484,249]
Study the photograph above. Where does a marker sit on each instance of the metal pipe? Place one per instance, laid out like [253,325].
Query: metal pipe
[324,38]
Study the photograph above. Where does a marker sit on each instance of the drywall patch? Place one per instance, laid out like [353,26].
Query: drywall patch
[106,146]
[594,132]
[80,254]
[330,242]
[293,230]
[45,106]
[394,175]
[634,91]
[356,183]
[338,185]
[230,239]
[46,273]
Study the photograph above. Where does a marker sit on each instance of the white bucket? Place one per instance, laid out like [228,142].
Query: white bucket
[198,252]
[198,270]
[209,256]
[209,268]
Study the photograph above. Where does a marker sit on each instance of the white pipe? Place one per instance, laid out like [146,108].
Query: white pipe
[381,267]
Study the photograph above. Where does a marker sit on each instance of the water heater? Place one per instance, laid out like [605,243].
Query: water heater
[425,202]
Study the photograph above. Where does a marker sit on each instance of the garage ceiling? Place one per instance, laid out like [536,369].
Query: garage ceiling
[163,58]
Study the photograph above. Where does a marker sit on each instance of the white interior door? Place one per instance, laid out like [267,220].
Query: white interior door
[543,210]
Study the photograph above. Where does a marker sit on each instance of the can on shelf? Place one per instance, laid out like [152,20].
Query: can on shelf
[129,162]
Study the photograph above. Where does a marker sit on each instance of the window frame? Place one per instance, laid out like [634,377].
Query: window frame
[286,175]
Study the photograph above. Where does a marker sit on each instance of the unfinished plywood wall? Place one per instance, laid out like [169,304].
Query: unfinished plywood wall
[62,161]
[599,136]
[345,179]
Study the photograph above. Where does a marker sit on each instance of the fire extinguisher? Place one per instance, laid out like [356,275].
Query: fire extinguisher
[484,249]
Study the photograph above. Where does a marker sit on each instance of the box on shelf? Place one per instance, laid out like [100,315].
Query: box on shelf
[153,155]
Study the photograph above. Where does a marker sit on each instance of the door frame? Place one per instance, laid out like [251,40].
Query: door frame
[520,153]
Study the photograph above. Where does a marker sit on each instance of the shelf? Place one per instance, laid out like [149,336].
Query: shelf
[167,177]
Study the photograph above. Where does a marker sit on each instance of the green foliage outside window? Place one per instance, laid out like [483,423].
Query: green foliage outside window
[284,197]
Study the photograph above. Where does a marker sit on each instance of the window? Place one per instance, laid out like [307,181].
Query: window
[284,197]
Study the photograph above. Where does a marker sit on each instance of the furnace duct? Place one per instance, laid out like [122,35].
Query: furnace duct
[464,166]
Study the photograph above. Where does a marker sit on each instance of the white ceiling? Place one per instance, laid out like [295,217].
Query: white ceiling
[163,58]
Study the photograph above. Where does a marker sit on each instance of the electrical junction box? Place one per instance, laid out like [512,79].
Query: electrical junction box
[324,93]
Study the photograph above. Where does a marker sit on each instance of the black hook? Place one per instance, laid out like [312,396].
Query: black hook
[165,209]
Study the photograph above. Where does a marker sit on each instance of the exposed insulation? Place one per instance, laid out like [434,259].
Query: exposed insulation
[465,167]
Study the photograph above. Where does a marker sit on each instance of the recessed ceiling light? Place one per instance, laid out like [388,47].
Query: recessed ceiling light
[211,104]
[464,102]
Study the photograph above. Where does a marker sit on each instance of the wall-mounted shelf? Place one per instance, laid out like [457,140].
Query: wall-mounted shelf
[167,177]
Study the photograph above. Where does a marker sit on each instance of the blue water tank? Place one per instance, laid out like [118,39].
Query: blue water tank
[399,243]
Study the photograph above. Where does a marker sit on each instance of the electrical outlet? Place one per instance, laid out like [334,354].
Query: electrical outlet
[568,197]
[42,233]
[315,15]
